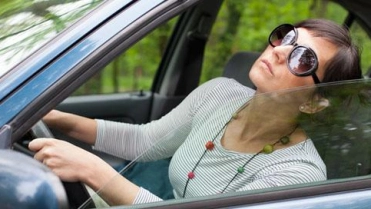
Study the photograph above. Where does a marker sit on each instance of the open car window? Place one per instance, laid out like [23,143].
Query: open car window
[341,134]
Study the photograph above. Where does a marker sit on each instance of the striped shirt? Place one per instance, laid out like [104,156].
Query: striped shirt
[182,135]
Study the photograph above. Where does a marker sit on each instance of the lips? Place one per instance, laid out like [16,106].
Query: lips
[268,65]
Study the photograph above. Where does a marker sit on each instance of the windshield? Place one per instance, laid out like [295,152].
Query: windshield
[26,25]
[335,119]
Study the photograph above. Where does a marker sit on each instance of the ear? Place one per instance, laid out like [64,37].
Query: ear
[314,106]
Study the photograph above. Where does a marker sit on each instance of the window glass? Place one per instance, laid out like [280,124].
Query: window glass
[245,26]
[27,25]
[341,134]
[128,72]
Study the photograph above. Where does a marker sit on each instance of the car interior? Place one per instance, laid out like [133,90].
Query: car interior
[180,70]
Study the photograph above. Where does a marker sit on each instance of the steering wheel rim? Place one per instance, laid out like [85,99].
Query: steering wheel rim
[77,194]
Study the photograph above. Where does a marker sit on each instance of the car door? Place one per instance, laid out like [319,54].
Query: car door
[68,60]
[176,73]
[80,52]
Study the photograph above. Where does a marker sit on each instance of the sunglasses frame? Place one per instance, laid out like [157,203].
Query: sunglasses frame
[311,71]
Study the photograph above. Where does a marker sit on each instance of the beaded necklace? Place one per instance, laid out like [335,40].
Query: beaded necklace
[267,149]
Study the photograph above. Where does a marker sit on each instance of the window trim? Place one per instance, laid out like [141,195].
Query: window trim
[286,193]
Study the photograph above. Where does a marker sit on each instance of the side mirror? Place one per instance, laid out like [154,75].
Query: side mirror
[26,183]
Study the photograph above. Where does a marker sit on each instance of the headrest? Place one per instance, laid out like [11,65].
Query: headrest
[239,65]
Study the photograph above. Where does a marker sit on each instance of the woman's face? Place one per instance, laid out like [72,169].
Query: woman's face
[270,71]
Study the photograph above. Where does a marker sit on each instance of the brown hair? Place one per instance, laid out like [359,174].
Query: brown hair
[345,65]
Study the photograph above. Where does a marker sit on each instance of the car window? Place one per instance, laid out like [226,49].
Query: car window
[133,70]
[26,25]
[245,26]
[341,132]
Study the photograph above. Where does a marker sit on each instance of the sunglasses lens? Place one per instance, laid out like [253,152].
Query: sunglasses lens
[302,61]
[282,35]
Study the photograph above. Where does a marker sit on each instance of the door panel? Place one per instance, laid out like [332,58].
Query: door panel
[124,107]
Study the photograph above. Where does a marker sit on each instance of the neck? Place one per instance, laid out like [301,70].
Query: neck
[251,138]
[262,132]
[266,120]
[259,123]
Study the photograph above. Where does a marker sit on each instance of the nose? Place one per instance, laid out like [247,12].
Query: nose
[282,52]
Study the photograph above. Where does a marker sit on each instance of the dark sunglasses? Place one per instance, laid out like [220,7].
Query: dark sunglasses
[302,60]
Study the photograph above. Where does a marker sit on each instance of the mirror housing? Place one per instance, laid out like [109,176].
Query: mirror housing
[26,183]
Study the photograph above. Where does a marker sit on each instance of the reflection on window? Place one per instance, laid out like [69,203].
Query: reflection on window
[26,25]
[342,132]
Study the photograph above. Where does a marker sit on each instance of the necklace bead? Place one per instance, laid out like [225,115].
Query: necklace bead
[209,145]
[268,148]
[234,116]
[191,175]
[285,140]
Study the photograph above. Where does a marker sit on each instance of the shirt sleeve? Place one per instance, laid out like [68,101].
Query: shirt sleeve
[155,140]
[144,196]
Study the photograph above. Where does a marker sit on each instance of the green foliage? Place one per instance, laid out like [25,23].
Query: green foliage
[362,40]
[11,7]
[242,25]
[135,68]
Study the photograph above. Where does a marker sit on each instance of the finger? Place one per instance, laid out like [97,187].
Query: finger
[37,144]
[39,156]
[48,162]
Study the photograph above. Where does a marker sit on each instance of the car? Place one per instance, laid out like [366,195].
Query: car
[135,60]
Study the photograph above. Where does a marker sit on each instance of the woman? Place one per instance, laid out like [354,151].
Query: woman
[217,146]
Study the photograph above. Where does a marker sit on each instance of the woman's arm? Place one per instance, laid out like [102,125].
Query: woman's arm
[78,127]
[159,139]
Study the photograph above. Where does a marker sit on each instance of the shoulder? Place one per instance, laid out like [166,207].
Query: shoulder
[222,86]
[219,91]
[220,95]
[223,81]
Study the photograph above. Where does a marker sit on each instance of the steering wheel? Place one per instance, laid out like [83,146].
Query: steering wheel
[77,193]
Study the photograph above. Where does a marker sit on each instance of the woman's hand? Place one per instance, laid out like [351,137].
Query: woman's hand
[67,161]
[71,163]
